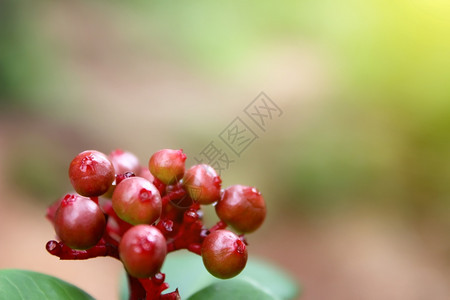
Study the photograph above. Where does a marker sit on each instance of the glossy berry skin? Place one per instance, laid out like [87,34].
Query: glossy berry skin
[202,183]
[91,173]
[224,254]
[124,161]
[79,222]
[242,207]
[142,250]
[144,172]
[167,165]
[137,201]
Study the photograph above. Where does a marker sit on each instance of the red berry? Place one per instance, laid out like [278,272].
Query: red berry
[137,201]
[79,222]
[242,207]
[167,165]
[142,250]
[124,161]
[224,254]
[202,183]
[91,173]
[145,173]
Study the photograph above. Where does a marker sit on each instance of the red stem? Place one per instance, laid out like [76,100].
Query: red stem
[219,225]
[137,291]
[65,252]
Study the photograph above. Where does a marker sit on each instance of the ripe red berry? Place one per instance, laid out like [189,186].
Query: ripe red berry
[137,201]
[242,207]
[124,161]
[224,254]
[202,183]
[91,173]
[142,250]
[167,165]
[79,222]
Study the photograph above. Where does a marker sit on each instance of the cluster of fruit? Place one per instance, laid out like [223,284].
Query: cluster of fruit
[138,215]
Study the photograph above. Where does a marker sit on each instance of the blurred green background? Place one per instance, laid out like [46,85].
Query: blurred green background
[356,172]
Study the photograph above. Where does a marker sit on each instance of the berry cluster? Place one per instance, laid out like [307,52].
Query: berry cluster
[138,215]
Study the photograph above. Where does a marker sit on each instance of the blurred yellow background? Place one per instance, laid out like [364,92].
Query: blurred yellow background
[355,172]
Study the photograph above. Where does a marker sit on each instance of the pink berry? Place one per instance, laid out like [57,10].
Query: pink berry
[142,250]
[137,201]
[202,183]
[224,254]
[167,165]
[91,173]
[79,222]
[242,207]
[144,172]
[124,161]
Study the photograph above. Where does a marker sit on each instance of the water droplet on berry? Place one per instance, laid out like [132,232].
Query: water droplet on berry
[204,233]
[159,278]
[168,225]
[190,216]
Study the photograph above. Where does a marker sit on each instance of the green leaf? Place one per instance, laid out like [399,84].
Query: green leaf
[29,285]
[185,271]
[232,289]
